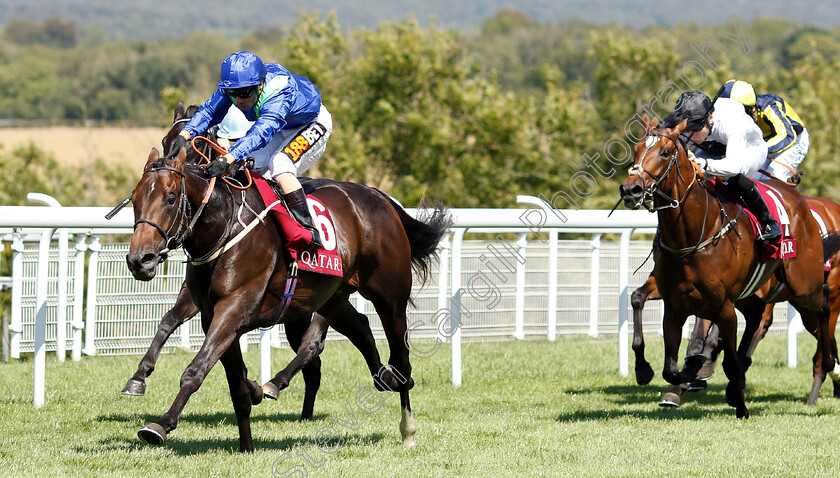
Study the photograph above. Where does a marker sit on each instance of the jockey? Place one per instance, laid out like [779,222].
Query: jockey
[290,131]
[730,146]
[785,133]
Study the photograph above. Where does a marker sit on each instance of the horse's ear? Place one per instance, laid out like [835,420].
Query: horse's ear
[650,123]
[181,159]
[680,127]
[179,112]
[153,156]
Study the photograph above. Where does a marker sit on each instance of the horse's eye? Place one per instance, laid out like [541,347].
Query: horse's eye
[665,153]
[170,199]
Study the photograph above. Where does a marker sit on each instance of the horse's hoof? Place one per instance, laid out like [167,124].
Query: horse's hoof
[706,371]
[644,374]
[270,391]
[153,434]
[696,386]
[134,388]
[742,413]
[670,399]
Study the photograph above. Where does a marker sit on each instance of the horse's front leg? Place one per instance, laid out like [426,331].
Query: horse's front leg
[220,333]
[183,310]
[672,324]
[647,291]
[727,321]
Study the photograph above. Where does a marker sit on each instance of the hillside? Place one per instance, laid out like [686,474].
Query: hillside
[152,19]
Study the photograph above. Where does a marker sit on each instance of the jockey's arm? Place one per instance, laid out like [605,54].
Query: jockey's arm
[738,159]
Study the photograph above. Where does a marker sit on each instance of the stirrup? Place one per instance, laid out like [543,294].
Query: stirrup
[316,243]
[771,235]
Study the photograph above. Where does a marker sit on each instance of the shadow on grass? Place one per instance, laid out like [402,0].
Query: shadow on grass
[207,418]
[641,394]
[696,405]
[193,447]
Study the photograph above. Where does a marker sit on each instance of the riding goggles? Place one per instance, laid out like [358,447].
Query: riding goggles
[245,92]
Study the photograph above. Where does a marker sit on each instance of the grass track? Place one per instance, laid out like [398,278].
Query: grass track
[529,408]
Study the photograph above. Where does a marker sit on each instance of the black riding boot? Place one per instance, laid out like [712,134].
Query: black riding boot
[296,201]
[770,230]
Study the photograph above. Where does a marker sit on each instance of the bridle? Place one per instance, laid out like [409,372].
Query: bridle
[183,221]
[650,191]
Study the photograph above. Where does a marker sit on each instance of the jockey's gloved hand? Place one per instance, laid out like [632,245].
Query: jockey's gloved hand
[216,168]
[177,143]
[699,161]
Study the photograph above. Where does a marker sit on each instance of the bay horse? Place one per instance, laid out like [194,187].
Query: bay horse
[379,243]
[758,319]
[706,256]
[306,339]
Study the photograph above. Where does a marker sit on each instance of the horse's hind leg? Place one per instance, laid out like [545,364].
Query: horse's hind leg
[307,340]
[183,310]
[392,311]
[758,316]
[240,394]
[647,291]
[699,358]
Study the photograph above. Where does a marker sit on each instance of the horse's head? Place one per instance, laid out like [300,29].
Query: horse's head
[182,115]
[657,162]
[161,212]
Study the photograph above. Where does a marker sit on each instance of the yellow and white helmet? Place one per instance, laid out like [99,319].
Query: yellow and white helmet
[740,91]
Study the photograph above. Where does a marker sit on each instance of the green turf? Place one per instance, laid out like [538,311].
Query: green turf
[529,408]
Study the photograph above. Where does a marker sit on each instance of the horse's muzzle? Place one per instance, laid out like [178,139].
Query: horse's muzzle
[632,196]
[143,265]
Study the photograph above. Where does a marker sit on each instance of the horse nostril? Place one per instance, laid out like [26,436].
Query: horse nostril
[636,190]
[147,258]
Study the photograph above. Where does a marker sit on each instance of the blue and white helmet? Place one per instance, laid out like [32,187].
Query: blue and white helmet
[240,70]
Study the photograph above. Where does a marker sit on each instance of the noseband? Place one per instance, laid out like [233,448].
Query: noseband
[652,190]
[173,241]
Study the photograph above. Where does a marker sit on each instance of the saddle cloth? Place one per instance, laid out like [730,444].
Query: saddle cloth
[325,260]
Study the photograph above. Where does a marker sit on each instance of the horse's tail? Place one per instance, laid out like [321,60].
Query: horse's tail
[424,233]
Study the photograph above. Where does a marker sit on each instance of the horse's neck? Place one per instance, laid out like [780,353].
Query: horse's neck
[213,218]
[694,220]
[221,219]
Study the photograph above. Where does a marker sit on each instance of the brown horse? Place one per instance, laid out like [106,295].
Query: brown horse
[306,339]
[379,243]
[706,254]
[758,320]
